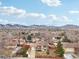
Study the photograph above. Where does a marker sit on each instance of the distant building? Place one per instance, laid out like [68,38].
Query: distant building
[71,47]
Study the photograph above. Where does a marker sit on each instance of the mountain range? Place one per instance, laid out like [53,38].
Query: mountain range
[18,26]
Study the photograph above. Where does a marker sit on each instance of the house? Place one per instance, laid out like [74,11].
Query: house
[41,45]
[22,41]
[51,49]
[12,43]
[71,47]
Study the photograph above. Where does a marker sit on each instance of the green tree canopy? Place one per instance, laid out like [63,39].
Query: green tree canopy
[59,50]
[29,38]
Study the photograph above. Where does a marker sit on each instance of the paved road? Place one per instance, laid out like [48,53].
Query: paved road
[68,56]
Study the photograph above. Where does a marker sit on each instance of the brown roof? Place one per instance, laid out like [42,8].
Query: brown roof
[71,45]
[25,46]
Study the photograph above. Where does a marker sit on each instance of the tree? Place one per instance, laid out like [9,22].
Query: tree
[47,52]
[29,38]
[62,34]
[31,34]
[65,39]
[23,33]
[23,52]
[59,50]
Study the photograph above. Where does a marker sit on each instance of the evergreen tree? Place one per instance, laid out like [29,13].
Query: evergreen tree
[59,50]
[29,38]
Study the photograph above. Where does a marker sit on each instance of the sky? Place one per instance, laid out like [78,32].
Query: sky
[39,12]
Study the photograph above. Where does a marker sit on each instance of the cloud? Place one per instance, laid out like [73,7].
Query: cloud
[11,11]
[57,18]
[52,16]
[21,13]
[52,3]
[36,15]
[65,18]
[74,12]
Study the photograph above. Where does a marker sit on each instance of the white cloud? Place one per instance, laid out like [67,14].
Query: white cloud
[11,11]
[57,18]
[20,13]
[36,15]
[52,3]
[65,18]
[74,12]
[52,16]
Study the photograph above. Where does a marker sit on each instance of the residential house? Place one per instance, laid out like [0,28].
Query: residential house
[70,47]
